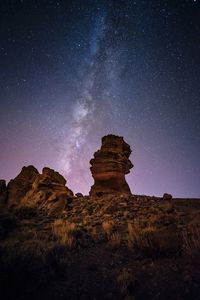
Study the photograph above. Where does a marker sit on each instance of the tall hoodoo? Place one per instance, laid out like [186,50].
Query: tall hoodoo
[110,165]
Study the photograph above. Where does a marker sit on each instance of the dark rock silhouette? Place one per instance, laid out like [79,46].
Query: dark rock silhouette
[110,165]
[20,185]
[3,192]
[79,195]
[167,196]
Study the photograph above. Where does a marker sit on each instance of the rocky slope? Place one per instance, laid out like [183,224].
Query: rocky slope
[109,245]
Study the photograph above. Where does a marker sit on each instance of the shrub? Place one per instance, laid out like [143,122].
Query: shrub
[115,240]
[65,232]
[108,226]
[140,238]
[126,282]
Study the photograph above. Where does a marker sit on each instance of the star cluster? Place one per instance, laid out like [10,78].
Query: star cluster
[73,71]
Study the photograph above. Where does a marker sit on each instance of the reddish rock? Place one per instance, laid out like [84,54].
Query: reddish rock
[48,192]
[110,165]
[48,179]
[20,185]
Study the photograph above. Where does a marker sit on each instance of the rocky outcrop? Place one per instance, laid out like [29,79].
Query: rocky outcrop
[20,185]
[110,165]
[3,193]
[48,192]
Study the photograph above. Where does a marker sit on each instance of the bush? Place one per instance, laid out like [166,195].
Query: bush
[115,240]
[140,239]
[125,282]
[65,232]
[108,226]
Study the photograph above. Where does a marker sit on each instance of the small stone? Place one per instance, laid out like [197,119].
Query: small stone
[167,196]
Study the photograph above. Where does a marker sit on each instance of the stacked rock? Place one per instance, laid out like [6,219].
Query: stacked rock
[110,165]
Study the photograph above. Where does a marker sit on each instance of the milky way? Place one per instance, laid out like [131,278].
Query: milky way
[73,71]
[84,110]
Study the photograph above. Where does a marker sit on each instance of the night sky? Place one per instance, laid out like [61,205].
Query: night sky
[74,71]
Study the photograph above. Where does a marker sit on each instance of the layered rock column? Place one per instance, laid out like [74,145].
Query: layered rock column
[110,165]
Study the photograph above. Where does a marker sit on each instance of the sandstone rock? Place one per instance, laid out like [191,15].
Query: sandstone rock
[110,165]
[167,196]
[20,185]
[55,176]
[48,192]
[3,193]
[48,178]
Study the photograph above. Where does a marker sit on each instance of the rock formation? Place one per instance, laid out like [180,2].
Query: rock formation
[20,185]
[49,191]
[46,191]
[110,165]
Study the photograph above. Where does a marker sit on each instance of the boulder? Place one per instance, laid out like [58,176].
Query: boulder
[167,196]
[110,165]
[20,185]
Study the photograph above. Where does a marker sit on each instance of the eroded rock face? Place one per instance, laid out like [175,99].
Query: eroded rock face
[110,165]
[20,185]
[49,192]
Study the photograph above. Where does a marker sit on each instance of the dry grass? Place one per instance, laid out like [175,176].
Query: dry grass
[115,240]
[125,282]
[191,240]
[140,238]
[155,219]
[64,232]
[108,226]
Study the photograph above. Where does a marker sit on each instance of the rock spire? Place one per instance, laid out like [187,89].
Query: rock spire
[110,165]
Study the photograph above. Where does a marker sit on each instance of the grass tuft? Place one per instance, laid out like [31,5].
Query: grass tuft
[65,232]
